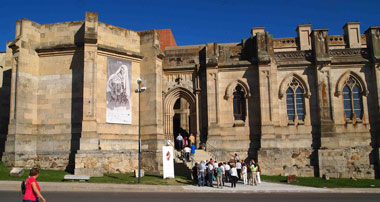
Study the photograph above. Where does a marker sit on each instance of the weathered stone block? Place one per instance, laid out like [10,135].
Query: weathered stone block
[16,172]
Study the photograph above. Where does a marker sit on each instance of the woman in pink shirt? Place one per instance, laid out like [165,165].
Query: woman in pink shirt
[32,191]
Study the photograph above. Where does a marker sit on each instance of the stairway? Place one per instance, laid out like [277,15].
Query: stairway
[200,155]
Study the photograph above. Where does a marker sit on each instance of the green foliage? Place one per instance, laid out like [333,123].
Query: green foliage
[332,183]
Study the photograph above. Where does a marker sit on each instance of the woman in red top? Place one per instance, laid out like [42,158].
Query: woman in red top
[32,192]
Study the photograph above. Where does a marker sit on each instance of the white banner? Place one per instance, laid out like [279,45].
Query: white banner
[168,163]
[118,91]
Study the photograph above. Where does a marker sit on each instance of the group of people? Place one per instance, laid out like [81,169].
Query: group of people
[184,140]
[186,144]
[205,172]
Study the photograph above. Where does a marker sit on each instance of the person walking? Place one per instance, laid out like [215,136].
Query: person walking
[253,168]
[187,151]
[227,168]
[191,139]
[184,142]
[258,173]
[238,168]
[219,175]
[234,175]
[210,173]
[244,173]
[192,153]
[179,142]
[32,189]
[236,158]
[201,174]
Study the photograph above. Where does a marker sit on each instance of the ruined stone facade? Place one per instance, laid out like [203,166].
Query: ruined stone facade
[305,105]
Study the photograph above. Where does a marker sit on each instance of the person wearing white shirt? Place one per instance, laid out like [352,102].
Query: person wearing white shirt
[215,165]
[187,151]
[244,173]
[210,174]
[227,169]
[234,175]
[238,168]
[179,142]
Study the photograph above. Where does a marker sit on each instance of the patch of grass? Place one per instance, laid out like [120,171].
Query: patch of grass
[320,183]
[129,178]
[45,175]
[117,178]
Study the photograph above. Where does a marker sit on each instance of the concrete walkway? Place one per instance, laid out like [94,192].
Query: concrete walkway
[264,187]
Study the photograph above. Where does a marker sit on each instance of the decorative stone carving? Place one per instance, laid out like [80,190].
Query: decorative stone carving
[349,52]
[280,56]
[231,86]
[373,40]
[320,45]
[285,82]
[342,80]
[178,80]
[264,47]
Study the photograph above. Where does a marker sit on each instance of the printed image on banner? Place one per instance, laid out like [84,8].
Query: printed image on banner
[119,106]
[167,162]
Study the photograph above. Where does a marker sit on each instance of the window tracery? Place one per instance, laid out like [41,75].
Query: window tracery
[352,99]
[295,103]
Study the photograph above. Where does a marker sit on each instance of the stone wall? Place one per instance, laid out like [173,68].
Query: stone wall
[98,162]
[5,93]
[276,161]
[346,162]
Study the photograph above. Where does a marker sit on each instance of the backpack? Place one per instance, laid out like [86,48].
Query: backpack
[23,187]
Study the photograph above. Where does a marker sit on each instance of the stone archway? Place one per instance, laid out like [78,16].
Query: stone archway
[169,112]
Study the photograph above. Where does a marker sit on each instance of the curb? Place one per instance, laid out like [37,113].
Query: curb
[103,187]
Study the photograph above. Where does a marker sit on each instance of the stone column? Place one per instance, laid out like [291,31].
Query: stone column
[373,46]
[263,53]
[352,34]
[89,141]
[213,136]
[304,40]
[151,73]
[22,138]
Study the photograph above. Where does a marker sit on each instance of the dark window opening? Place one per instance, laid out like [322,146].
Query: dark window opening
[239,104]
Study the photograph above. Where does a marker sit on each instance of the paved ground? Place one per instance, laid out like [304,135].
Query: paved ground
[264,187]
[12,196]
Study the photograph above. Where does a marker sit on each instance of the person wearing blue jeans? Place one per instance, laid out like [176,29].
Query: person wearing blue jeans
[201,173]
[210,174]
[201,179]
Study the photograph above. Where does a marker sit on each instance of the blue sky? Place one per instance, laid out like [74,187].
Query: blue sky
[197,21]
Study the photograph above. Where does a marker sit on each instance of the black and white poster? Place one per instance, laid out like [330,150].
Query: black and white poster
[119,106]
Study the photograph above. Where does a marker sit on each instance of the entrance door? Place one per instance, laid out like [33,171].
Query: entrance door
[179,114]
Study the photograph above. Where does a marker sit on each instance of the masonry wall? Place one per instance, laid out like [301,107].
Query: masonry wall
[5,92]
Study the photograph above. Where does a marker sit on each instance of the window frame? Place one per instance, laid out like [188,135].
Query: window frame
[350,83]
[294,85]
[241,101]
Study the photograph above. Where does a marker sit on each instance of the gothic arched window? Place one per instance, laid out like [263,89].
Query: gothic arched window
[295,103]
[352,99]
[239,104]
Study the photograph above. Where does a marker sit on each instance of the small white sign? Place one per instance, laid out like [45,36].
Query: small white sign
[168,163]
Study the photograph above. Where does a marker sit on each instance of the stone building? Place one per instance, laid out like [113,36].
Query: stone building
[305,105]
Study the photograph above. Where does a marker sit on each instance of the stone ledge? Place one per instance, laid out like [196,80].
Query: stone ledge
[77,177]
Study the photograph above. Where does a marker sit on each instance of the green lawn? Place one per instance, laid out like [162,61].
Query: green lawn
[125,178]
[128,178]
[332,183]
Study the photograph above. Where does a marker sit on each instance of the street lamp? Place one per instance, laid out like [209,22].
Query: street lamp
[139,90]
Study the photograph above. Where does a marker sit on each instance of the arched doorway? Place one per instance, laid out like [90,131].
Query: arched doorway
[179,113]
